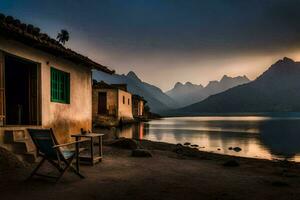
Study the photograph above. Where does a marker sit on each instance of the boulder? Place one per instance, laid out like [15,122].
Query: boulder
[230,148]
[231,163]
[237,149]
[141,153]
[187,143]
[125,143]
[186,151]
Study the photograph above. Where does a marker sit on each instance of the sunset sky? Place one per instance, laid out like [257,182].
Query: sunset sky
[165,41]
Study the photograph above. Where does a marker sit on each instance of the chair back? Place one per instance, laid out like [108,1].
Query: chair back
[44,141]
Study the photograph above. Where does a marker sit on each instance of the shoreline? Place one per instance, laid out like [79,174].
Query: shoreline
[195,152]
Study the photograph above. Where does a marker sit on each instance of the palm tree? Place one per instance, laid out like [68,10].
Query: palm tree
[63,36]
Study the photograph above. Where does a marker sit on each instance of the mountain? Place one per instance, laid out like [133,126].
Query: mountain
[276,90]
[157,100]
[188,93]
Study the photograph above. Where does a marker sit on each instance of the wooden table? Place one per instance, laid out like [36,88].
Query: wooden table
[92,158]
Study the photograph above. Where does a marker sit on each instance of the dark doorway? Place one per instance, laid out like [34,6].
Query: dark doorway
[20,91]
[102,103]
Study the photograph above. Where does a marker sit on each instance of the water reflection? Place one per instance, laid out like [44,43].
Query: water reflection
[271,137]
[281,137]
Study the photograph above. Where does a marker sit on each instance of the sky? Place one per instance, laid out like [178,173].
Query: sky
[166,41]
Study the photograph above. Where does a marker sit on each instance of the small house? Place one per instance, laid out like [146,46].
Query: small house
[42,83]
[112,104]
[138,106]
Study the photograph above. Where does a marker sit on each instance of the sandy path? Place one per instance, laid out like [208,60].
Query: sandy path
[164,176]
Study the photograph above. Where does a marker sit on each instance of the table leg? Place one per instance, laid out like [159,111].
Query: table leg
[100,146]
[77,154]
[92,151]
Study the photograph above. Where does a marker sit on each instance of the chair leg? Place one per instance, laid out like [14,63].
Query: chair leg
[68,164]
[37,168]
[76,172]
[57,166]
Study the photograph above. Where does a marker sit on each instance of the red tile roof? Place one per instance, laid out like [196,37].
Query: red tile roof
[30,35]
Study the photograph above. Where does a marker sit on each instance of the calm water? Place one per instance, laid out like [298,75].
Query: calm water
[271,137]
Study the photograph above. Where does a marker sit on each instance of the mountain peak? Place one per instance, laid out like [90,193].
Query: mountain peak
[178,84]
[225,77]
[132,75]
[287,60]
[189,84]
[213,82]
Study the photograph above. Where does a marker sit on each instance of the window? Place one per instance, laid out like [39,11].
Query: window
[128,101]
[60,86]
[123,99]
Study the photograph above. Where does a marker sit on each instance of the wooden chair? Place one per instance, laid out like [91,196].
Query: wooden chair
[48,148]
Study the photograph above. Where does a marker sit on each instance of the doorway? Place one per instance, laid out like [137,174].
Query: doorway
[102,103]
[21,91]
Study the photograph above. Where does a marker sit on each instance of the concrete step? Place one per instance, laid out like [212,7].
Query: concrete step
[22,146]
[28,144]
[20,135]
[15,135]
[30,157]
[18,147]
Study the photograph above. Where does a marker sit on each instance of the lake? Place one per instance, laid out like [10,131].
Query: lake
[270,137]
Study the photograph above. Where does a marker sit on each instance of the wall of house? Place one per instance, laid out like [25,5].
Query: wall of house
[138,107]
[112,100]
[141,108]
[124,109]
[64,118]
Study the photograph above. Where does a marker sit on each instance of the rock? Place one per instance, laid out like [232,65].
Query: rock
[141,153]
[237,149]
[187,143]
[194,145]
[186,151]
[219,149]
[231,163]
[230,148]
[125,143]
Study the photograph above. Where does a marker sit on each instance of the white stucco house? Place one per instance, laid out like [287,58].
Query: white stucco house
[42,83]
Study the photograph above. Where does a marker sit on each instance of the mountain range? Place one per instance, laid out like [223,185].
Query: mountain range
[276,90]
[188,93]
[157,100]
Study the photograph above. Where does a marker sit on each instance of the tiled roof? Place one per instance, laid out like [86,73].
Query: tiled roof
[104,85]
[30,35]
[138,97]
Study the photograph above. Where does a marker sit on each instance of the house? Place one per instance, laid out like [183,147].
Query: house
[138,106]
[111,104]
[42,83]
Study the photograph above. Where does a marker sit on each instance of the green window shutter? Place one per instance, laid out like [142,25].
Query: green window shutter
[60,86]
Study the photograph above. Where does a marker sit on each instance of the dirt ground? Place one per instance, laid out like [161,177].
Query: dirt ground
[166,175]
